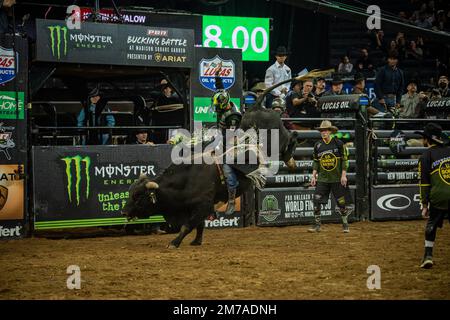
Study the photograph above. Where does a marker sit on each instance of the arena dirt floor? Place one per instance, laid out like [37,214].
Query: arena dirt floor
[251,263]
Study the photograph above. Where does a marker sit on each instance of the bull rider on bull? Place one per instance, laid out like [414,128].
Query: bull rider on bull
[228,118]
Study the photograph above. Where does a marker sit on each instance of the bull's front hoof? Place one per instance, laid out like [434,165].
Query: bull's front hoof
[196,243]
[172,246]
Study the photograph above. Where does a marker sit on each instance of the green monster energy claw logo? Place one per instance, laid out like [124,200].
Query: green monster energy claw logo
[77,161]
[58,33]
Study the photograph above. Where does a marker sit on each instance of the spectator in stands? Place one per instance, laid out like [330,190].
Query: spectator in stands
[364,64]
[414,52]
[441,68]
[94,119]
[319,89]
[170,116]
[359,87]
[393,45]
[402,16]
[409,104]
[258,89]
[423,21]
[378,41]
[167,94]
[337,84]
[359,84]
[277,73]
[293,96]
[443,88]
[401,45]
[442,22]
[304,105]
[419,8]
[389,84]
[142,137]
[345,66]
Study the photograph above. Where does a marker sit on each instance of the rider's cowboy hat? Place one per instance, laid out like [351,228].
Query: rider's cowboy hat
[433,132]
[326,125]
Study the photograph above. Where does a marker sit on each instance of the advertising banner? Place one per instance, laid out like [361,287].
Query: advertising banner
[203,85]
[12,202]
[143,17]
[344,103]
[13,136]
[292,206]
[221,221]
[9,109]
[116,44]
[395,203]
[85,186]
[440,104]
[12,141]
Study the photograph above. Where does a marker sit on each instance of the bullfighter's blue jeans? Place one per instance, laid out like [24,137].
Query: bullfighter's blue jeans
[230,175]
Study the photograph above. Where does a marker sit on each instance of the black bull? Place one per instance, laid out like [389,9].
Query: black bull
[187,194]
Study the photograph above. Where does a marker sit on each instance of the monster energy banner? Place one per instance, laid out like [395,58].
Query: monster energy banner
[395,203]
[342,103]
[99,43]
[290,206]
[88,185]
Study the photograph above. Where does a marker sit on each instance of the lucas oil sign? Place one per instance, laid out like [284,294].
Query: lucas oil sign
[208,68]
[7,65]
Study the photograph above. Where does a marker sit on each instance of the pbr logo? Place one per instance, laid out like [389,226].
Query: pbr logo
[77,172]
[208,68]
[269,210]
[397,143]
[7,61]
[6,141]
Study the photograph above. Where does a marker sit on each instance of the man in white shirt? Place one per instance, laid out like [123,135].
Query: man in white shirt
[276,73]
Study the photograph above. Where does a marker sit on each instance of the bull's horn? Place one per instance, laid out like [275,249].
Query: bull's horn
[142,176]
[151,185]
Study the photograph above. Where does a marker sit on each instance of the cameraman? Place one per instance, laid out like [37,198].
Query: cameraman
[304,105]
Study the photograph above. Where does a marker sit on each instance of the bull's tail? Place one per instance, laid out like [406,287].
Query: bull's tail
[257,178]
